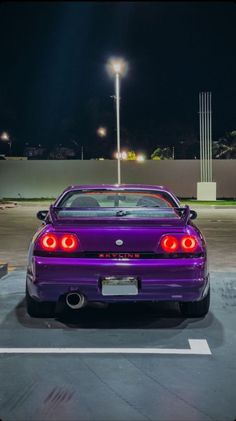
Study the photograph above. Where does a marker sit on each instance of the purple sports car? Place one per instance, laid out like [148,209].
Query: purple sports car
[116,243]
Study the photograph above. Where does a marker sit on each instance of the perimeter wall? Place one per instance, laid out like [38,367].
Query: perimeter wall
[37,179]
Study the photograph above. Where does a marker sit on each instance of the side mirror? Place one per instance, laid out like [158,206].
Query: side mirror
[193,214]
[41,215]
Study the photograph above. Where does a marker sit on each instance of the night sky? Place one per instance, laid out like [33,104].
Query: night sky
[54,87]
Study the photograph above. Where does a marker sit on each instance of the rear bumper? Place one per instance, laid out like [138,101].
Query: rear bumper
[159,280]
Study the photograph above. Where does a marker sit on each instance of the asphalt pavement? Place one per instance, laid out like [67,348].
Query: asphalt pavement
[174,380]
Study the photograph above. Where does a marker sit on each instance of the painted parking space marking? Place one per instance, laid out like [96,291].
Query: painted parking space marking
[197,347]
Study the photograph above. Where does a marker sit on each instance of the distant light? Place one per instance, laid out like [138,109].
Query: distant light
[140,158]
[5,136]
[102,131]
[123,155]
[117,65]
[101,159]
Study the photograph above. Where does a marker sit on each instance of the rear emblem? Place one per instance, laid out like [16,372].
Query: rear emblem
[119,242]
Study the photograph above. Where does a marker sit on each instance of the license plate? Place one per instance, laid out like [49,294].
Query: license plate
[119,286]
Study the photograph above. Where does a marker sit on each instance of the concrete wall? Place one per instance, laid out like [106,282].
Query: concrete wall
[48,178]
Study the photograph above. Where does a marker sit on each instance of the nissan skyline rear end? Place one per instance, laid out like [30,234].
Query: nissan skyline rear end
[147,252]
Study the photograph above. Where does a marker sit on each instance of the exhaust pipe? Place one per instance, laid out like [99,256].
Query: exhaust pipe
[75,300]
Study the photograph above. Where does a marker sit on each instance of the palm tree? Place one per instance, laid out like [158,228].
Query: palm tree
[162,153]
[225,147]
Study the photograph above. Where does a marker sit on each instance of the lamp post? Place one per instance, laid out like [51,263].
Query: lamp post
[81,148]
[119,68]
[5,137]
[118,120]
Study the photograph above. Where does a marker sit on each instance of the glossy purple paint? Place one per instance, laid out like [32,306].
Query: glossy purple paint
[159,278]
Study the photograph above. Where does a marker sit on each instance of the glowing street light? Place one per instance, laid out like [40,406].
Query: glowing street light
[140,158]
[117,67]
[5,137]
[122,155]
[102,131]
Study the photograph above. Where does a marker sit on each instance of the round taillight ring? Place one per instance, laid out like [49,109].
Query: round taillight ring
[169,243]
[69,242]
[189,243]
[49,242]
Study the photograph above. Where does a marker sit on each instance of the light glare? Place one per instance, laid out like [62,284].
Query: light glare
[102,131]
[5,136]
[140,158]
[123,155]
[117,66]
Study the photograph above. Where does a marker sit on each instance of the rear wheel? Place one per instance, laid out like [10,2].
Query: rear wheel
[38,309]
[196,308]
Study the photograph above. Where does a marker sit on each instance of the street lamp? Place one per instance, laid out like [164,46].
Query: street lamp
[102,131]
[140,158]
[5,137]
[117,67]
[122,155]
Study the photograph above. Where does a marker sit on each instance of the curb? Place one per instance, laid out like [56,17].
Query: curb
[3,269]
[212,207]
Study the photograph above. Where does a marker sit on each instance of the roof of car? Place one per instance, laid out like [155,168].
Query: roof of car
[117,186]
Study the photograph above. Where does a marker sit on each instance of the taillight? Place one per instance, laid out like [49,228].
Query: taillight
[169,244]
[65,242]
[49,242]
[69,242]
[189,243]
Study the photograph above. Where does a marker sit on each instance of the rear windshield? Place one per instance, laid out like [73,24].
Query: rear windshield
[128,204]
[116,199]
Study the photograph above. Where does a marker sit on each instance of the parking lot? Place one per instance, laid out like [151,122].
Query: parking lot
[123,362]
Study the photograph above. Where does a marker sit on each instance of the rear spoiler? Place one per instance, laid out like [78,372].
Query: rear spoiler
[184,214]
[187,213]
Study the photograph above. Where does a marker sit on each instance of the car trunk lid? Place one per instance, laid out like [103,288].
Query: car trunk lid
[120,234]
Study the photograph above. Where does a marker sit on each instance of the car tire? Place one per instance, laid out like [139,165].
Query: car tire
[196,308]
[38,309]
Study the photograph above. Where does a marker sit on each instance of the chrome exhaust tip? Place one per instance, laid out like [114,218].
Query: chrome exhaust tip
[74,300]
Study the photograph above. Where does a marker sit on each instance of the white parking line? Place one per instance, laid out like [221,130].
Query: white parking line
[197,347]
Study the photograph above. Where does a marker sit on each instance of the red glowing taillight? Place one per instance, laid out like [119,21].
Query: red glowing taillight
[189,243]
[64,242]
[49,242]
[169,244]
[69,242]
